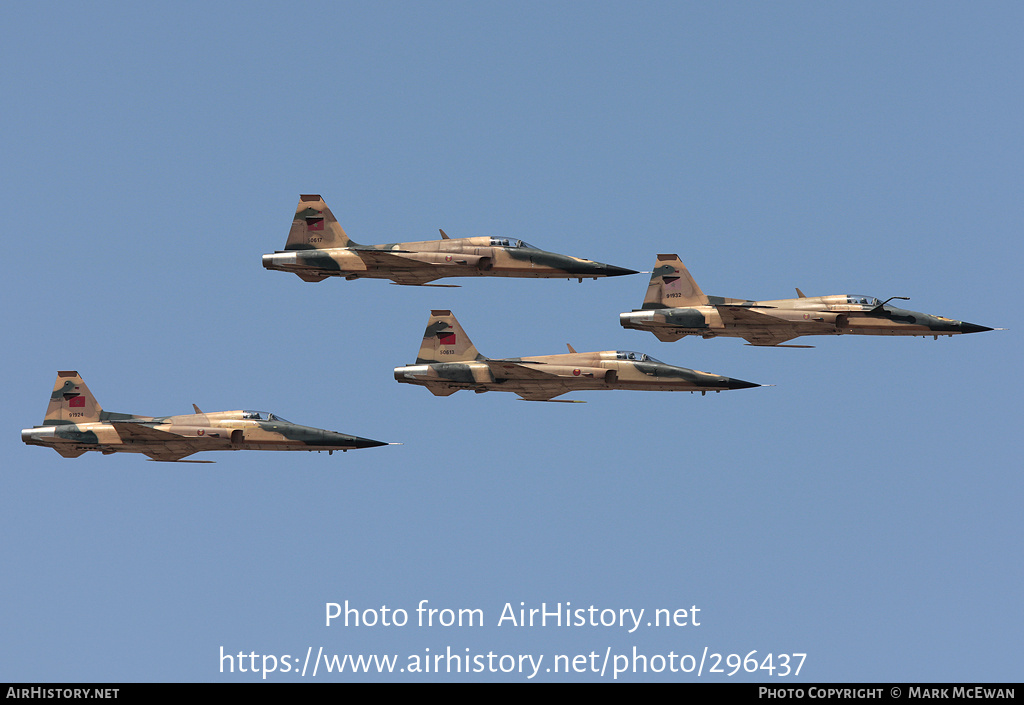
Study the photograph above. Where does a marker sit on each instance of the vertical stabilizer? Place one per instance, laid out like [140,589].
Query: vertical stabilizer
[445,341]
[672,286]
[315,227]
[71,402]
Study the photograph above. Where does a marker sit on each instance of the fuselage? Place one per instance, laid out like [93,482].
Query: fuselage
[434,259]
[223,430]
[532,376]
[840,314]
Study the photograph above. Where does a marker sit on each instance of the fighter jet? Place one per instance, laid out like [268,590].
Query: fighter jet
[318,248]
[675,307]
[75,423]
[448,361]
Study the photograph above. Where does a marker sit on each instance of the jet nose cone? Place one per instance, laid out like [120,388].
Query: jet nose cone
[972,328]
[345,441]
[587,268]
[357,442]
[740,384]
[612,271]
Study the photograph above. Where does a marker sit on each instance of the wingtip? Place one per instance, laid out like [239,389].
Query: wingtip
[556,401]
[441,286]
[199,462]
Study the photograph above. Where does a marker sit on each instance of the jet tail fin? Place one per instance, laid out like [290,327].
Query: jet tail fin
[71,401]
[315,227]
[672,286]
[445,341]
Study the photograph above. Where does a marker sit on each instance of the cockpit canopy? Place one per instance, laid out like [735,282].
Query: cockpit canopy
[507,242]
[635,356]
[262,416]
[862,300]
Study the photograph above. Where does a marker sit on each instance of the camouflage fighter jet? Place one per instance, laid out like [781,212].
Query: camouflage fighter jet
[675,307]
[448,362]
[318,248]
[75,423]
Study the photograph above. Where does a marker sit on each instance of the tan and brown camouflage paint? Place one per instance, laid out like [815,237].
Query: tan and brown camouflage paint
[448,361]
[318,247]
[75,423]
[675,306]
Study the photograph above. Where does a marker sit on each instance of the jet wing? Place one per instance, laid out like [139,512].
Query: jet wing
[770,338]
[417,278]
[388,259]
[545,393]
[403,266]
[530,382]
[746,316]
[130,431]
[163,445]
[502,369]
[773,330]
[171,456]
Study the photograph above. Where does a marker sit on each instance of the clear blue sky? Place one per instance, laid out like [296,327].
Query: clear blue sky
[864,511]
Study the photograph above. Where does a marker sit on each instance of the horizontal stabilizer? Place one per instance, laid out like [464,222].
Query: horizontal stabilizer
[667,335]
